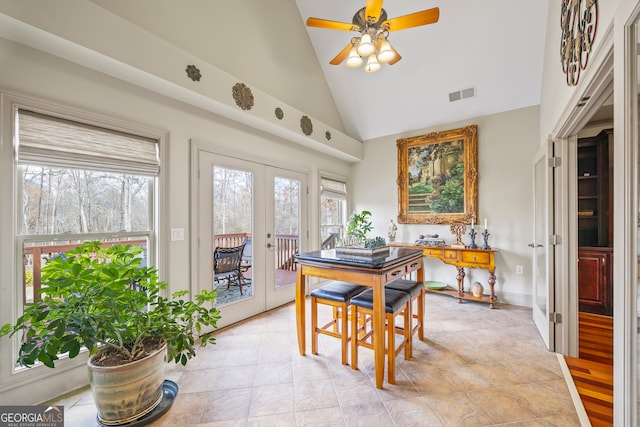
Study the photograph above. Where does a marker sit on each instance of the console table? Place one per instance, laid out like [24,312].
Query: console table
[461,258]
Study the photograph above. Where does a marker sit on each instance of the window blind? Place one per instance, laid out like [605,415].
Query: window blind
[332,187]
[56,142]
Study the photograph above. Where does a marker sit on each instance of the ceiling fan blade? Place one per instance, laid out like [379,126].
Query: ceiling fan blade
[373,8]
[342,55]
[417,19]
[332,25]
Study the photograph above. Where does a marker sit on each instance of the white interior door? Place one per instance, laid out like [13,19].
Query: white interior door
[542,251]
[244,202]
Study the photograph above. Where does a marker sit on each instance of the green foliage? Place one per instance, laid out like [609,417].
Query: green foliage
[376,242]
[358,225]
[97,297]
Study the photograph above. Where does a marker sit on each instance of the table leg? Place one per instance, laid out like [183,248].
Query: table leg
[378,331]
[300,309]
[492,281]
[460,278]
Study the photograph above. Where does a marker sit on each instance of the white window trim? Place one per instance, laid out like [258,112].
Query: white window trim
[23,384]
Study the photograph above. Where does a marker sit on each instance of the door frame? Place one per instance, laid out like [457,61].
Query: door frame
[594,88]
[219,149]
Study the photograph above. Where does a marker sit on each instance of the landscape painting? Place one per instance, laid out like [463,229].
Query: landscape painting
[437,177]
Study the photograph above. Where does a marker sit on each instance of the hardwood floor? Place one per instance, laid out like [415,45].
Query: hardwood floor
[592,373]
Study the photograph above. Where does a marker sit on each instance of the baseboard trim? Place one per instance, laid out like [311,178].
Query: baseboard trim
[573,392]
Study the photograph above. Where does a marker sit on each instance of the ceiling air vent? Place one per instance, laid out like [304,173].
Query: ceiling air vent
[462,94]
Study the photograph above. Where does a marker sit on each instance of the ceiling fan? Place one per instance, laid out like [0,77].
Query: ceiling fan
[372,23]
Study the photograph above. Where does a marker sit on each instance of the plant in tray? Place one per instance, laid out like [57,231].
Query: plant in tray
[358,225]
[103,299]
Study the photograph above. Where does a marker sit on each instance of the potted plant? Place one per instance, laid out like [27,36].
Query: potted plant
[103,299]
[359,247]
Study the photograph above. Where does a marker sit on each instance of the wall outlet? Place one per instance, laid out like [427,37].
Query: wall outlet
[177,234]
[519,269]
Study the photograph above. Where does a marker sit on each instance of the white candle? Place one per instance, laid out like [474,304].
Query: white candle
[472,223]
[485,223]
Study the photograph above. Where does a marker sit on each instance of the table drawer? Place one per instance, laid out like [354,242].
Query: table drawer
[449,254]
[434,252]
[476,257]
[396,273]
[413,266]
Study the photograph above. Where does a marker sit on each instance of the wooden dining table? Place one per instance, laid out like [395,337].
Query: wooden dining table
[375,273]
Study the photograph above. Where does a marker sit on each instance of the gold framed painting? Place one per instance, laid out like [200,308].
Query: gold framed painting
[438,177]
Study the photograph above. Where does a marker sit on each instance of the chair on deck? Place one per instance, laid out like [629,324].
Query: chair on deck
[245,265]
[227,266]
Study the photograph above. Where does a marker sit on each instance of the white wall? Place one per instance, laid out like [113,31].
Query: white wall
[507,143]
[557,97]
[31,72]
[262,43]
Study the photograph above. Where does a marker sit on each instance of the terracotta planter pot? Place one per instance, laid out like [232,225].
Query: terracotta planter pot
[125,393]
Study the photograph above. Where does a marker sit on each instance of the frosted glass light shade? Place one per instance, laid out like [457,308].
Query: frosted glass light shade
[354,60]
[386,52]
[365,48]
[372,64]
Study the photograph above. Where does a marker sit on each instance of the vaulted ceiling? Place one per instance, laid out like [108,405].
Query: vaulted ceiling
[493,46]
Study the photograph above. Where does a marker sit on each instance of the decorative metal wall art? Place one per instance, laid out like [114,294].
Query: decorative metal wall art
[243,96]
[306,125]
[193,73]
[579,22]
[279,113]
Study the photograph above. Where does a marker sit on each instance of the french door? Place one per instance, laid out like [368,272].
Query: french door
[543,286]
[260,206]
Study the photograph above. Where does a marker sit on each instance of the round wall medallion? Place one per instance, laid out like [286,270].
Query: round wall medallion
[578,22]
[306,125]
[327,135]
[279,113]
[243,96]
[193,73]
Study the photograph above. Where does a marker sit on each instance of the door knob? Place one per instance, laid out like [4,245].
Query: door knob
[269,245]
[531,245]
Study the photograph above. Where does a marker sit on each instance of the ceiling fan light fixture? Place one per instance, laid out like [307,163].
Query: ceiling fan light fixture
[354,60]
[372,64]
[365,48]
[386,52]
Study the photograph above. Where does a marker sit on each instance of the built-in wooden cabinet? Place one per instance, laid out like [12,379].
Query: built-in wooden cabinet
[595,280]
[595,193]
[595,223]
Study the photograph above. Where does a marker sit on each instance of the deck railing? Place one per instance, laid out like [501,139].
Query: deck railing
[287,245]
[35,257]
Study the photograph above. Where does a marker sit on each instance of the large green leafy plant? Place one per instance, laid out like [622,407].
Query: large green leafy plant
[104,299]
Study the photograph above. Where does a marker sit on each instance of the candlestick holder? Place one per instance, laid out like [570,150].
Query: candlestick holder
[472,245]
[485,234]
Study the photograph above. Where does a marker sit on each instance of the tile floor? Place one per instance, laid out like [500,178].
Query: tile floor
[476,367]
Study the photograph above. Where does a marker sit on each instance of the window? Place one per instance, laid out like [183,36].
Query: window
[78,182]
[333,211]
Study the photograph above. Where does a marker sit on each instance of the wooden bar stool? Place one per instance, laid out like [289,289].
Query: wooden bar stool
[396,304]
[416,292]
[337,295]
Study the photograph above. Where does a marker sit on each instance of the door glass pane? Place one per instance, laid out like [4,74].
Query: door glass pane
[540,273]
[232,226]
[286,194]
